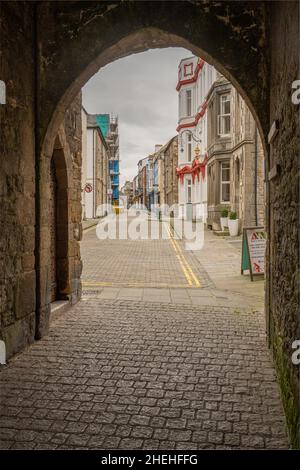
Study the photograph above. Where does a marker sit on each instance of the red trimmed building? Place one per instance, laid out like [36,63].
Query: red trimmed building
[220,155]
[195,78]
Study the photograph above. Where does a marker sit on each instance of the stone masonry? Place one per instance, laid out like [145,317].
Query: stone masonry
[132,375]
[48,52]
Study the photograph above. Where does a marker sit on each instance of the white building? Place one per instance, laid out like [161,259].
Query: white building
[195,78]
[96,186]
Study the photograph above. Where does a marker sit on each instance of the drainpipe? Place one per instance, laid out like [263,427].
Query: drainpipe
[255,175]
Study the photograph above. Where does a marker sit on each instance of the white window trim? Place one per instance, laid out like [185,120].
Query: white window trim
[186,102]
[224,182]
[221,116]
[189,184]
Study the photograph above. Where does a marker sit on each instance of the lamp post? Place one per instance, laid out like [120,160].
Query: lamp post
[189,132]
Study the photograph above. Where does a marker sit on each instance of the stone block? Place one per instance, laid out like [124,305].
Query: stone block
[25,294]
[19,334]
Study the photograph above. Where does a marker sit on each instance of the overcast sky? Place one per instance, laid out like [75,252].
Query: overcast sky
[141,89]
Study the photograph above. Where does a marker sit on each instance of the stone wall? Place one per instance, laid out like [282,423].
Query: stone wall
[67,160]
[17,178]
[21,298]
[283,204]
[72,127]
[50,49]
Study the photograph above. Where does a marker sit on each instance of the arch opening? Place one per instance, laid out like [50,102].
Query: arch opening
[136,42]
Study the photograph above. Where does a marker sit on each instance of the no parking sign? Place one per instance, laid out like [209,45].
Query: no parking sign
[88,188]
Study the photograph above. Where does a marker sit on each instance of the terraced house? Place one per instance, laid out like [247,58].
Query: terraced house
[235,167]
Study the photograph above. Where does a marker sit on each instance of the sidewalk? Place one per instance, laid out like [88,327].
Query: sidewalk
[221,258]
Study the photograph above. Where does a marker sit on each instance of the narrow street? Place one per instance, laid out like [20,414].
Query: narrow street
[161,353]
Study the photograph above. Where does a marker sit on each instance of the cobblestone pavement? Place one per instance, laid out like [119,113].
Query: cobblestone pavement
[158,263]
[166,350]
[128,374]
[160,270]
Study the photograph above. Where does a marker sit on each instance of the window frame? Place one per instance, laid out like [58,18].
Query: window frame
[222,115]
[188,102]
[188,186]
[224,182]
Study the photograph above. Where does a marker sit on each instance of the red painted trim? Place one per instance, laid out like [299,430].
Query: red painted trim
[194,78]
[194,170]
[196,120]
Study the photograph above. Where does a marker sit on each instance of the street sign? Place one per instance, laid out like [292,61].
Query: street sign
[253,251]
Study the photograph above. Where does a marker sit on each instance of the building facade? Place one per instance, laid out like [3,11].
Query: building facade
[95,175]
[142,196]
[109,125]
[156,183]
[195,78]
[220,157]
[135,189]
[170,161]
[127,193]
[235,165]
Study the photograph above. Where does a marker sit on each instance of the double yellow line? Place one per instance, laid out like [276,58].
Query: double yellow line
[191,277]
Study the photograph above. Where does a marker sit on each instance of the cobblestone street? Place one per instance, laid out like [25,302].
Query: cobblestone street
[171,366]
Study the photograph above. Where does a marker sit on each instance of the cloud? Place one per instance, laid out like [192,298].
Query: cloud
[141,89]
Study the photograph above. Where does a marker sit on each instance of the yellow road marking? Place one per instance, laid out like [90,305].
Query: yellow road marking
[178,256]
[131,284]
[193,275]
[187,270]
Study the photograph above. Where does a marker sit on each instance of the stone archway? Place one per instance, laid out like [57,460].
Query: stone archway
[59,259]
[89,37]
[62,222]
[57,46]
[241,41]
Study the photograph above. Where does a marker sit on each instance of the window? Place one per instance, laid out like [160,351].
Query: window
[180,104]
[188,102]
[189,190]
[224,115]
[225,181]
[189,148]
[188,70]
